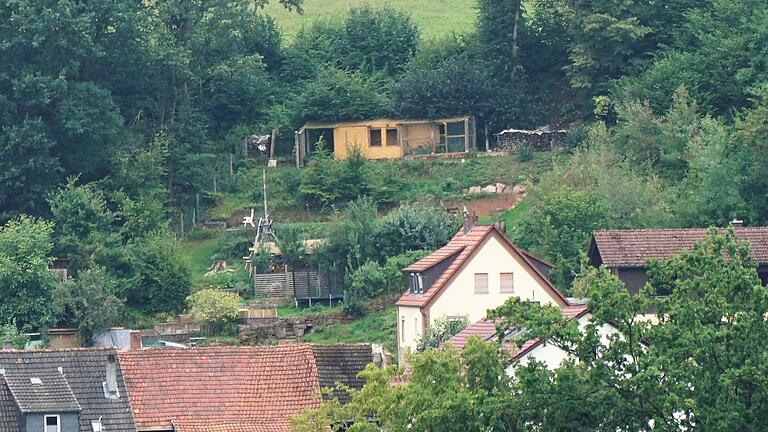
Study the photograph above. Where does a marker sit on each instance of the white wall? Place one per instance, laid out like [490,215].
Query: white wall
[494,258]
[408,335]
[551,355]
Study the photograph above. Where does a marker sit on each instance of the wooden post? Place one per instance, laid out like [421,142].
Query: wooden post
[182,223]
[231,164]
[466,134]
[296,147]
[487,142]
[272,143]
[214,184]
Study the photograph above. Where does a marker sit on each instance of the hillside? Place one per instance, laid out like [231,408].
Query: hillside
[433,17]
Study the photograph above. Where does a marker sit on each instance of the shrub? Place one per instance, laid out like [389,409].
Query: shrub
[212,306]
[440,331]
[413,228]
[160,280]
[9,332]
[88,303]
[524,153]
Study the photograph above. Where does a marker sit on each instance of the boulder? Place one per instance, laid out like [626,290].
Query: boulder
[519,189]
[490,189]
[475,189]
[500,187]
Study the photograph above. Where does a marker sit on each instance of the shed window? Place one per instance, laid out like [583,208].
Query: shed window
[481,283]
[375,138]
[402,329]
[507,282]
[52,423]
[392,138]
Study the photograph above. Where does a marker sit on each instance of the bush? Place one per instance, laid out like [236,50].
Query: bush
[440,331]
[524,153]
[160,280]
[413,228]
[212,306]
[9,332]
[88,303]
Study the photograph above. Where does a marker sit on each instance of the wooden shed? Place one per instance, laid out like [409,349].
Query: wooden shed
[389,138]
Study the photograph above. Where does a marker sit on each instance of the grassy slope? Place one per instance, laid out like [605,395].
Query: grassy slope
[376,327]
[433,17]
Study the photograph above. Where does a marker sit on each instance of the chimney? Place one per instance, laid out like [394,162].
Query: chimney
[737,223]
[470,220]
[110,386]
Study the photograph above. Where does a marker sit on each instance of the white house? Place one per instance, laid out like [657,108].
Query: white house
[534,349]
[478,270]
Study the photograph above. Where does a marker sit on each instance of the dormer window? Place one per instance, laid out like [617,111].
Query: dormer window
[417,283]
[52,423]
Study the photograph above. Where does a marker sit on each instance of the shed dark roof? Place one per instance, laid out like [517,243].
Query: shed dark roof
[462,246]
[84,371]
[341,363]
[633,248]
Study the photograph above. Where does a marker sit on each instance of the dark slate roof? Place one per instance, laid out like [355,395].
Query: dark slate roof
[9,413]
[632,248]
[51,392]
[341,363]
[85,372]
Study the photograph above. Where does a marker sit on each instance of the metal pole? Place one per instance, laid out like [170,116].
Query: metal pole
[264,182]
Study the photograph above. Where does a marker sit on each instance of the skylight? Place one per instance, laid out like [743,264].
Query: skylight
[36,381]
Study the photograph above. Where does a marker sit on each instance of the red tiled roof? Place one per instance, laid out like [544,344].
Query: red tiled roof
[227,389]
[485,329]
[464,245]
[632,248]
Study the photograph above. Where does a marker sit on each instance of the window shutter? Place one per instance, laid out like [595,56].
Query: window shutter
[507,282]
[481,283]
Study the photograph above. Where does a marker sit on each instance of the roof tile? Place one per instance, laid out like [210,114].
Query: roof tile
[633,248]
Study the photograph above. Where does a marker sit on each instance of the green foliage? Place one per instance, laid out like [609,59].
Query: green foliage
[26,284]
[368,39]
[159,280]
[88,303]
[336,94]
[9,332]
[83,224]
[412,228]
[560,227]
[214,306]
[440,331]
[458,393]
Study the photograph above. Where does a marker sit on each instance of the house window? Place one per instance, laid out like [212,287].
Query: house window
[507,282]
[375,137]
[402,329]
[392,138]
[416,326]
[417,283]
[52,423]
[481,283]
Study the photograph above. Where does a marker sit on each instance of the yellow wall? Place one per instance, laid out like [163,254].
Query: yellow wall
[357,136]
[459,298]
[420,135]
[408,335]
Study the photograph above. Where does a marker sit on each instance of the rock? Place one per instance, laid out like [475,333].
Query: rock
[490,189]
[519,189]
[475,189]
[500,187]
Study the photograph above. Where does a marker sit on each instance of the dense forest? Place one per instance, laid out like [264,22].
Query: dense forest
[114,115]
